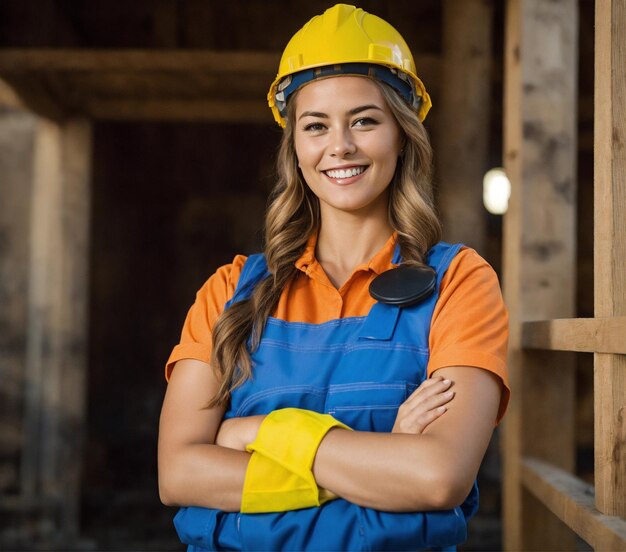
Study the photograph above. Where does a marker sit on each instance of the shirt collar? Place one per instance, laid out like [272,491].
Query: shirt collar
[379,263]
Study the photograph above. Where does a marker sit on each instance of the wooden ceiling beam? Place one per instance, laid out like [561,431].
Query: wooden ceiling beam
[168,85]
[194,110]
[20,60]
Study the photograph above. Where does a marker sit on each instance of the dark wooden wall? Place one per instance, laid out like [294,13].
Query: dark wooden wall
[172,202]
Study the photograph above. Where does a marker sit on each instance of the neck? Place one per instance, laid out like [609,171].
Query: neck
[346,241]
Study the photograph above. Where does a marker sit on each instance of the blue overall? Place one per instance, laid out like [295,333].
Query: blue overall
[360,370]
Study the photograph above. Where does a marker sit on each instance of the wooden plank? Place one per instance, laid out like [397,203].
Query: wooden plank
[539,252]
[57,319]
[572,500]
[226,111]
[583,335]
[610,251]
[464,113]
[21,60]
[183,85]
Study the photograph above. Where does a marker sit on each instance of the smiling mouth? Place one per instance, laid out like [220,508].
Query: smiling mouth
[345,173]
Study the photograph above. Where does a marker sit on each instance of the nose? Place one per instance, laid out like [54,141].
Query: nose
[342,143]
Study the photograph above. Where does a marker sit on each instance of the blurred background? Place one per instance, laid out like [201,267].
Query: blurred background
[136,155]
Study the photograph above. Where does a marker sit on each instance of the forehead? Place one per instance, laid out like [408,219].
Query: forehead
[338,94]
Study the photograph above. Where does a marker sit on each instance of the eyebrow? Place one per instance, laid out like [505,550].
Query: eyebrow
[351,112]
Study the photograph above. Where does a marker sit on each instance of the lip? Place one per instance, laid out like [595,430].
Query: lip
[344,167]
[348,180]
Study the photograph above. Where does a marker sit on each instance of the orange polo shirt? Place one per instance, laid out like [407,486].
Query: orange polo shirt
[469,326]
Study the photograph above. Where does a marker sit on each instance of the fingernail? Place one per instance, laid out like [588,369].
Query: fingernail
[449,393]
[442,409]
[446,381]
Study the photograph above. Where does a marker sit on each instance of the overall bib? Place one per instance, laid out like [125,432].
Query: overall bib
[359,370]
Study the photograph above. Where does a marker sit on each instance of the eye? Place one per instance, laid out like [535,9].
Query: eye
[314,127]
[364,122]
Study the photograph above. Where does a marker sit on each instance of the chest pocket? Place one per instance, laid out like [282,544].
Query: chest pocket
[367,406]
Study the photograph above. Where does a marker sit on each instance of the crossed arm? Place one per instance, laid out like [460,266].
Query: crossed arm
[428,462]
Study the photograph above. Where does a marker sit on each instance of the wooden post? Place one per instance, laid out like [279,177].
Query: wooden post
[17,128]
[539,252]
[610,252]
[463,109]
[57,317]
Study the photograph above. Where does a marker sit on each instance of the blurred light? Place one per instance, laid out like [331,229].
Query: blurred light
[496,191]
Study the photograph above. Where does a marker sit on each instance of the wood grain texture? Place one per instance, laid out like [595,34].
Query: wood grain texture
[197,110]
[610,251]
[584,335]
[21,60]
[464,112]
[572,500]
[17,129]
[539,251]
[57,322]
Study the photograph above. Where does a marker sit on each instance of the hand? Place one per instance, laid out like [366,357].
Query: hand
[424,406]
[237,433]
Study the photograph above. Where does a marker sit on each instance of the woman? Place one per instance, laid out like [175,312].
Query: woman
[336,420]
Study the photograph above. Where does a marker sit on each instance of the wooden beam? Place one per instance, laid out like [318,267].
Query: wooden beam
[28,61]
[57,322]
[610,251]
[464,109]
[168,85]
[583,335]
[197,110]
[21,61]
[539,252]
[572,500]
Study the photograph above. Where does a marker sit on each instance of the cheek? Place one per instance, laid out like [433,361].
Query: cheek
[307,156]
[300,152]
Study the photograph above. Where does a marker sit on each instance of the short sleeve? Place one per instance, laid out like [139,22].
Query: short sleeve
[470,325]
[196,340]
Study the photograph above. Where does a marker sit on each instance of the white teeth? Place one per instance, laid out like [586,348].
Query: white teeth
[345,173]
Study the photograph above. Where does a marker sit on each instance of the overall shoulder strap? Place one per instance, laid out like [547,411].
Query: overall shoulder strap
[254,270]
[382,319]
[440,256]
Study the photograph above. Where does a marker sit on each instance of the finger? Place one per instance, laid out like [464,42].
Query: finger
[417,423]
[420,405]
[430,403]
[423,393]
[429,417]
[412,413]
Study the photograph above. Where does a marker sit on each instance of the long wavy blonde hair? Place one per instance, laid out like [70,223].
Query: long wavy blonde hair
[293,216]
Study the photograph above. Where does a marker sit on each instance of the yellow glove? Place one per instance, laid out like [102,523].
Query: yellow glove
[279,475]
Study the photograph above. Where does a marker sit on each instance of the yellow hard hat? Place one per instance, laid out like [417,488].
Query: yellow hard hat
[346,40]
